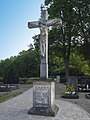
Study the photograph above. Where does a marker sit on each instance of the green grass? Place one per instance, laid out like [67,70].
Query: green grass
[8,95]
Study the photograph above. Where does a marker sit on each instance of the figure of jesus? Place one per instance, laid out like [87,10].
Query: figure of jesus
[42,41]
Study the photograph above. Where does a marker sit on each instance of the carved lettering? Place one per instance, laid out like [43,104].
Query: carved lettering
[41,95]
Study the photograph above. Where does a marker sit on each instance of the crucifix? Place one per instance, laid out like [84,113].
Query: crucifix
[44,90]
[43,24]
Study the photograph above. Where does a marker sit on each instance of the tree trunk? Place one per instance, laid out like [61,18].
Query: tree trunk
[66,64]
[66,53]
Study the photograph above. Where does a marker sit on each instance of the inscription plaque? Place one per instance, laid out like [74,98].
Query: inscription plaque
[41,95]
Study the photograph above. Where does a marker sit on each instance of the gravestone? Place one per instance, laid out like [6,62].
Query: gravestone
[44,89]
[58,79]
[84,84]
[73,81]
[72,88]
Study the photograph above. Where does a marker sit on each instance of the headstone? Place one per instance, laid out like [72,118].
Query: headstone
[58,79]
[73,81]
[44,91]
[84,84]
[72,88]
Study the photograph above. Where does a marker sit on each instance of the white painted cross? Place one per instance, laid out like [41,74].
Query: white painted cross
[43,24]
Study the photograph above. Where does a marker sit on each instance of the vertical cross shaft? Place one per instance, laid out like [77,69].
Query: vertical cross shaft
[44,46]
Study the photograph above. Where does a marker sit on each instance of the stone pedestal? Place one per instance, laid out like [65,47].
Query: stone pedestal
[43,99]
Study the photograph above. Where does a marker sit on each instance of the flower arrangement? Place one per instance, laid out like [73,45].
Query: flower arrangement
[70,90]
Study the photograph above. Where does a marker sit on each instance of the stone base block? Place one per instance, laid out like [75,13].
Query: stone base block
[43,111]
[44,99]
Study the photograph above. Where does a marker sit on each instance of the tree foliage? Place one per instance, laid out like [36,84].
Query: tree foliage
[79,64]
[75,28]
[26,64]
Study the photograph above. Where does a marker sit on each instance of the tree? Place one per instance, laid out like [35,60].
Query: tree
[27,63]
[78,64]
[11,76]
[74,31]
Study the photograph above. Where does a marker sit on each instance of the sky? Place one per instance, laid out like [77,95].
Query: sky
[15,36]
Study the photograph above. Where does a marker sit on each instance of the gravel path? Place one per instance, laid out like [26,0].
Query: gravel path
[82,101]
[17,108]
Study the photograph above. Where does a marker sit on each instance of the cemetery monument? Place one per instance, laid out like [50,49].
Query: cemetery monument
[72,88]
[44,88]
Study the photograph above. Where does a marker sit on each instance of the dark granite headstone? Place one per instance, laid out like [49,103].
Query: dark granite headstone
[72,94]
[73,81]
[84,84]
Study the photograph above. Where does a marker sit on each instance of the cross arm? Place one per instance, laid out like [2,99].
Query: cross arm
[33,24]
[54,22]
[37,24]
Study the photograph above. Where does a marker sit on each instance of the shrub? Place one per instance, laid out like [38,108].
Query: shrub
[1,80]
[22,80]
[29,81]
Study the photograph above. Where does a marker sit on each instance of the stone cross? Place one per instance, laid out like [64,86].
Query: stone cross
[43,25]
